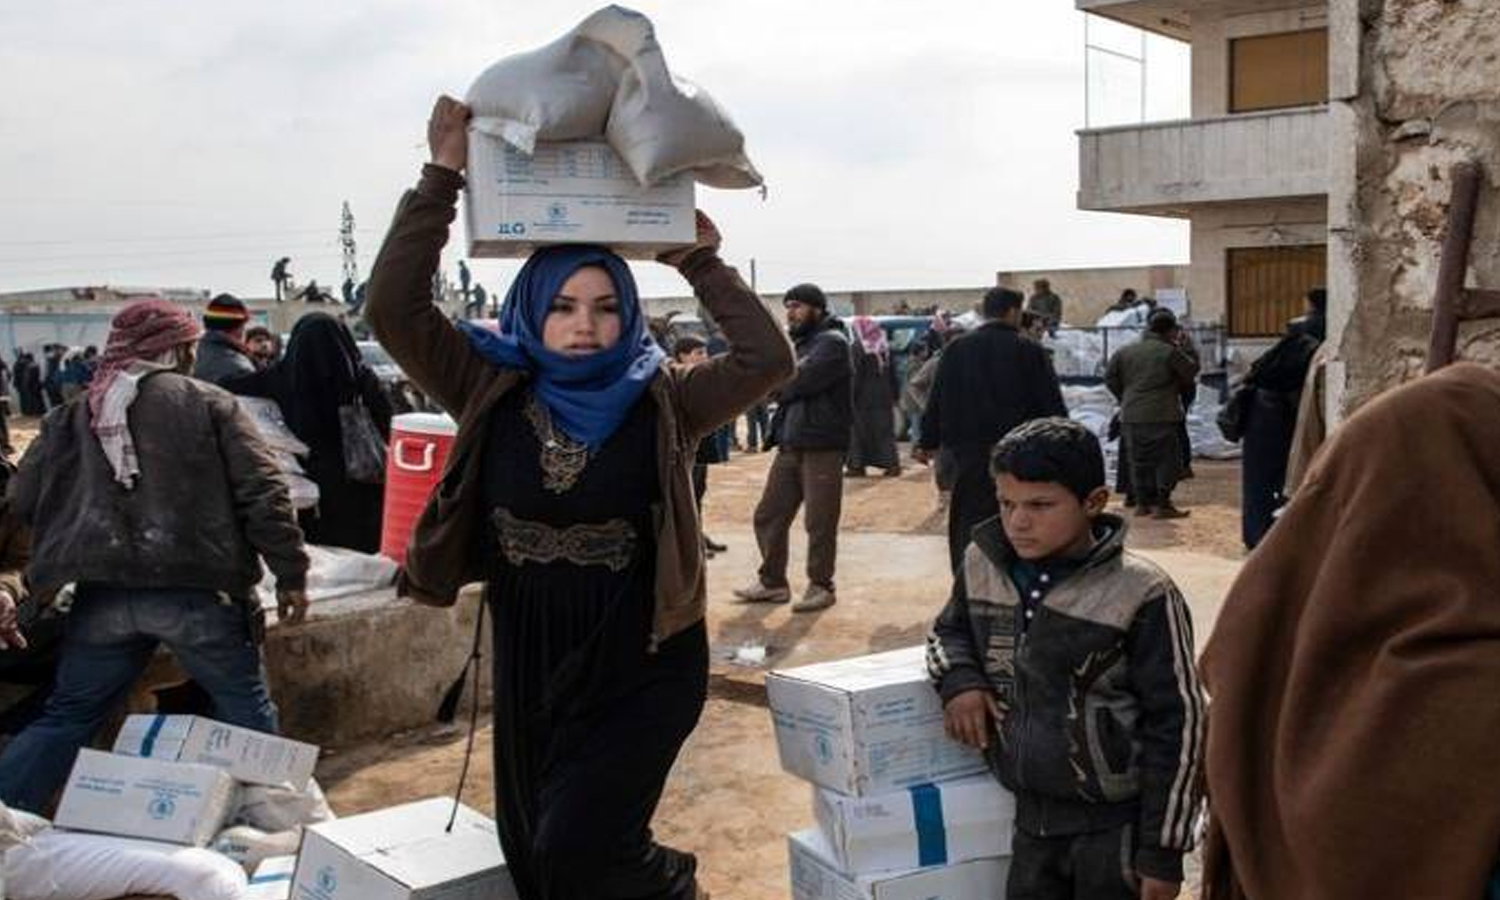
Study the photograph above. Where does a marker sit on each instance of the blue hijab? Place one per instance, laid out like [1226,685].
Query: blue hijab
[588,396]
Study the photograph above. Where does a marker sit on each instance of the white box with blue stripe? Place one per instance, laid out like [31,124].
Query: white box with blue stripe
[253,757]
[865,726]
[924,825]
[272,879]
[172,802]
[816,877]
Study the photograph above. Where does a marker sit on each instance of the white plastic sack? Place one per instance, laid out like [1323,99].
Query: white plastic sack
[266,415]
[335,572]
[281,808]
[1134,317]
[65,865]
[285,448]
[250,846]
[608,78]
[18,827]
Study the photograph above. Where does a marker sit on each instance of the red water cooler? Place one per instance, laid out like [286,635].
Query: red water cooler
[414,464]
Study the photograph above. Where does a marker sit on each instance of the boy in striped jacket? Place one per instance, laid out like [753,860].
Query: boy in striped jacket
[1069,661]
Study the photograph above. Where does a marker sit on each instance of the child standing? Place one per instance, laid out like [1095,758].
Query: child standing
[1068,660]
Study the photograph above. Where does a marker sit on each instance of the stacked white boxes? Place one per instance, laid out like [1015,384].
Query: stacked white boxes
[177,779]
[902,810]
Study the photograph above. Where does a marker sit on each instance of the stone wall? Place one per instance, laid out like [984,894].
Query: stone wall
[1416,89]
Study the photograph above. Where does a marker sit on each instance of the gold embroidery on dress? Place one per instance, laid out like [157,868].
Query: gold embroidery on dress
[610,543]
[563,459]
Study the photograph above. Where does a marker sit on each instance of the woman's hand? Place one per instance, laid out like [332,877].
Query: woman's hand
[708,238]
[448,134]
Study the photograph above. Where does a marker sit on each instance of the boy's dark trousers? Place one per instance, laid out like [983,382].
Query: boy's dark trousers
[1098,865]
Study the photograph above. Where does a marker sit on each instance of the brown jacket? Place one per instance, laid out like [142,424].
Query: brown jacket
[444,552]
[209,502]
[1351,749]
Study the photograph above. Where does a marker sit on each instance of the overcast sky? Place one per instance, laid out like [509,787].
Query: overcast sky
[176,143]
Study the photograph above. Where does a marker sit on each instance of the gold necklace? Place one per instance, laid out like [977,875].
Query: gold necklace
[563,459]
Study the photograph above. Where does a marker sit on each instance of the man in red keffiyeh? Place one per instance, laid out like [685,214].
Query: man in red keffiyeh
[157,497]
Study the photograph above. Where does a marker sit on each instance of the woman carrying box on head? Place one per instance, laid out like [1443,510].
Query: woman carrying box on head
[569,493]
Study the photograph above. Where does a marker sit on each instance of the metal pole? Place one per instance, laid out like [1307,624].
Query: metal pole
[752,274]
[1448,301]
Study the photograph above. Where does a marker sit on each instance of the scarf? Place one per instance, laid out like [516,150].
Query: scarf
[1353,733]
[872,338]
[143,338]
[587,396]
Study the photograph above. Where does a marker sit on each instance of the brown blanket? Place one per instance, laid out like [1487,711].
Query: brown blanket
[1354,745]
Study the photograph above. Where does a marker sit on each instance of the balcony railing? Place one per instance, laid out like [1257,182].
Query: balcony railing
[1164,167]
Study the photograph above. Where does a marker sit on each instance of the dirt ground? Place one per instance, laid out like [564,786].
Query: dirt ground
[727,799]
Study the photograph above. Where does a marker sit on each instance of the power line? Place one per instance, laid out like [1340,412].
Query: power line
[196,236]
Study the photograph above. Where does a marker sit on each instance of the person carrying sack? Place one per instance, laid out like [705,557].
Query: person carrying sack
[569,493]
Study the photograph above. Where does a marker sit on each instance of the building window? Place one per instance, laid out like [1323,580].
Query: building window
[1275,71]
[1268,287]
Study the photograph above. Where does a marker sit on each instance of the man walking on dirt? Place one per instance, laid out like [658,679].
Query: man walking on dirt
[811,429]
[988,382]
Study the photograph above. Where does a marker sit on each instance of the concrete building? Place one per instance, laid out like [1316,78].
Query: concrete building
[1249,169]
[1086,293]
[80,316]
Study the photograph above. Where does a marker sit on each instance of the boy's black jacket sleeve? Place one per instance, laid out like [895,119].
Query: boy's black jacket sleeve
[1173,716]
[953,662]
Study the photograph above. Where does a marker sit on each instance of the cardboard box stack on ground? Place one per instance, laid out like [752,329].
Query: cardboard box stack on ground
[579,192]
[249,756]
[178,803]
[178,779]
[404,853]
[902,810]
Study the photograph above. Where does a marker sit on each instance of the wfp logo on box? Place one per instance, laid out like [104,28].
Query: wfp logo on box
[557,212]
[512,229]
[328,882]
[161,807]
[823,749]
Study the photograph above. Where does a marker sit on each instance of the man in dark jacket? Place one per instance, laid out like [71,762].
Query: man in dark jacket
[222,353]
[811,428]
[156,496]
[1150,379]
[989,381]
[1276,380]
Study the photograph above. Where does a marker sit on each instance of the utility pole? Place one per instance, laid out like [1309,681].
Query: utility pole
[346,241]
[752,273]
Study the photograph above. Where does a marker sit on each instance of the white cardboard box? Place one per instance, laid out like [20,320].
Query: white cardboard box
[865,726]
[253,757]
[178,803]
[929,824]
[815,877]
[403,853]
[272,879]
[578,192]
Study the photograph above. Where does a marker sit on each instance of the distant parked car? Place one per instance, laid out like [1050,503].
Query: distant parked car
[405,397]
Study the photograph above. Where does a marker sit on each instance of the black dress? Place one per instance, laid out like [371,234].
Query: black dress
[588,720]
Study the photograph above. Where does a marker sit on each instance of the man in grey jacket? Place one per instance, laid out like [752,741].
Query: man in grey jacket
[156,496]
[222,353]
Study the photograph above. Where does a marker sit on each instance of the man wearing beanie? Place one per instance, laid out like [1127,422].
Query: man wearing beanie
[155,495]
[222,353]
[814,414]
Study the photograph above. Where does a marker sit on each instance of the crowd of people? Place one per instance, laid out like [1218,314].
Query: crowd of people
[574,493]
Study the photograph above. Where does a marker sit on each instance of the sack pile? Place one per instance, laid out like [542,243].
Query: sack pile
[608,78]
